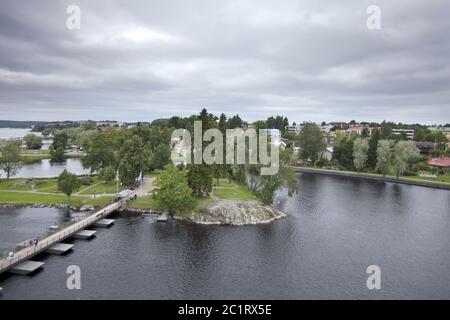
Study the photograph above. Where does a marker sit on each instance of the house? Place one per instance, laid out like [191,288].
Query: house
[408,132]
[358,129]
[295,129]
[441,162]
[274,134]
[425,147]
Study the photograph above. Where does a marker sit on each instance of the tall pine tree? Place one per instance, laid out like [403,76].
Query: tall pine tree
[200,175]
[372,153]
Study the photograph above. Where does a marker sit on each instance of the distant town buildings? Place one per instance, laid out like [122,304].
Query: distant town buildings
[109,125]
[409,133]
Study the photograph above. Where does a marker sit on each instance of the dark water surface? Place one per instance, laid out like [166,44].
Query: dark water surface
[336,228]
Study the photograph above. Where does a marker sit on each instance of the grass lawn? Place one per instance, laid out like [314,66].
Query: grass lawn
[47,185]
[223,183]
[238,192]
[147,202]
[440,179]
[24,198]
[17,184]
[102,187]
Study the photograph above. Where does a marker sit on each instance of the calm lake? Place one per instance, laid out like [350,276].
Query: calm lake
[46,169]
[336,227]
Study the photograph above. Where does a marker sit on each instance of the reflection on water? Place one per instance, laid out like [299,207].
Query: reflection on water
[335,228]
[46,169]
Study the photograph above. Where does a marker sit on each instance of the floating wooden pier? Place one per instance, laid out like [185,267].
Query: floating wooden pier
[84,234]
[19,263]
[26,267]
[60,248]
[104,223]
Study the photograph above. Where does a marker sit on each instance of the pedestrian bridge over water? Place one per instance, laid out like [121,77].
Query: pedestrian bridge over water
[20,263]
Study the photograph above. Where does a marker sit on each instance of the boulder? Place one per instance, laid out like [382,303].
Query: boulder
[87,207]
[236,212]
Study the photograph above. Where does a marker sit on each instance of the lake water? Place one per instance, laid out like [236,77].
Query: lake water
[335,228]
[13,133]
[46,169]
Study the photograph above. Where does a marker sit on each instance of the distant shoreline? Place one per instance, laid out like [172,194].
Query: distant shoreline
[376,177]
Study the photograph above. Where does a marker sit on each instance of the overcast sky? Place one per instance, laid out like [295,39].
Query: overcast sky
[309,60]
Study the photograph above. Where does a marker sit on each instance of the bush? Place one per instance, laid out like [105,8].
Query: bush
[86,181]
[107,174]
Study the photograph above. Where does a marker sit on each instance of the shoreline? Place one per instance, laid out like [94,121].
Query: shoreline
[50,206]
[375,177]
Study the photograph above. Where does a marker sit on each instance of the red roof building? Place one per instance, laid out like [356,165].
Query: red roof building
[443,162]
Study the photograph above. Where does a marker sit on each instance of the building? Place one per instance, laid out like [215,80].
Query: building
[326,128]
[274,134]
[295,129]
[408,132]
[441,162]
[358,129]
[425,147]
[340,125]
[444,130]
[110,124]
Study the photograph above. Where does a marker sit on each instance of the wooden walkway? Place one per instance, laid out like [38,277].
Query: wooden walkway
[53,239]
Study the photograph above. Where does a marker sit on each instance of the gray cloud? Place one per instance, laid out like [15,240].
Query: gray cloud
[309,60]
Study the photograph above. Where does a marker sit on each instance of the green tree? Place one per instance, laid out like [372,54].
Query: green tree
[234,122]
[174,193]
[372,152]
[311,142]
[57,154]
[266,186]
[107,174]
[386,130]
[68,183]
[405,152]
[58,146]
[134,156]
[100,152]
[343,153]
[160,157]
[384,154]
[360,148]
[200,175]
[32,141]
[10,160]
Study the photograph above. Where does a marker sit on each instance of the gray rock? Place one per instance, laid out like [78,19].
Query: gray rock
[236,212]
[87,207]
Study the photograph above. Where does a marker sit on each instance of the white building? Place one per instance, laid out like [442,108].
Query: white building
[408,132]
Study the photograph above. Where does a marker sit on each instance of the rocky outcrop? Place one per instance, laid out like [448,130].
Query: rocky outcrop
[87,207]
[235,212]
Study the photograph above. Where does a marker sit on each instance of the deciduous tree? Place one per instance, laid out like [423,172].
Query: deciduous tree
[10,160]
[360,148]
[174,193]
[68,183]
